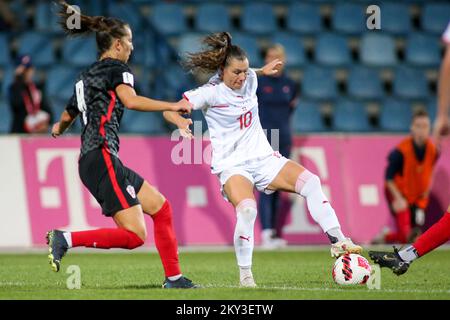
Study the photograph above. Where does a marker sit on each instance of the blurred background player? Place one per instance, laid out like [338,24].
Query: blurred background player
[101,94]
[277,97]
[29,105]
[408,181]
[439,233]
[242,158]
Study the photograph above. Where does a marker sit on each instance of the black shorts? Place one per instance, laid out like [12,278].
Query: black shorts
[114,186]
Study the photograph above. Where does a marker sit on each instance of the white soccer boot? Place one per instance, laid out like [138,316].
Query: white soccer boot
[343,247]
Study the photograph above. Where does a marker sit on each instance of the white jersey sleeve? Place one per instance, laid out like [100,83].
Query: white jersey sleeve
[201,97]
[446,35]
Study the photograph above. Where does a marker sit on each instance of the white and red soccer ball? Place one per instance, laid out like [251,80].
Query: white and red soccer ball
[351,269]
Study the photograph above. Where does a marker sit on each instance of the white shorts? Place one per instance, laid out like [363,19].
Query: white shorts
[260,172]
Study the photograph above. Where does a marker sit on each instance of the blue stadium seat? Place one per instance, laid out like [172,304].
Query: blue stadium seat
[319,83]
[378,50]
[350,116]
[395,115]
[435,17]
[258,18]
[293,46]
[250,46]
[423,50]
[212,17]
[144,49]
[39,46]
[332,50]
[395,18]
[410,83]
[307,118]
[143,123]
[364,83]
[128,12]
[189,43]
[79,52]
[304,18]
[176,82]
[46,18]
[5,117]
[61,82]
[168,19]
[349,18]
[5,58]
[8,77]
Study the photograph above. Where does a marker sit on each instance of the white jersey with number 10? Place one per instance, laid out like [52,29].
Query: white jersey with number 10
[233,121]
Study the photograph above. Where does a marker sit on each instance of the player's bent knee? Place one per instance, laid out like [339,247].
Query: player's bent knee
[136,239]
[247,210]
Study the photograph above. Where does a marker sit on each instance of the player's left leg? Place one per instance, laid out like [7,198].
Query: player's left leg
[296,179]
[155,204]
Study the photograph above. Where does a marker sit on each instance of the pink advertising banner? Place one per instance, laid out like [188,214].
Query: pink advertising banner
[351,169]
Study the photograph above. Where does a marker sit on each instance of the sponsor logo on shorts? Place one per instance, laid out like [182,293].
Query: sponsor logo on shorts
[130,190]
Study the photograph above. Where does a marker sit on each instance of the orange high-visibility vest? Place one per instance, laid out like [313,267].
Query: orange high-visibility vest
[416,176]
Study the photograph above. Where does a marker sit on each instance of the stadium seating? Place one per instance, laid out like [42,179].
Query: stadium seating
[349,18]
[395,115]
[144,50]
[423,50]
[258,18]
[410,83]
[79,52]
[61,82]
[8,76]
[5,117]
[304,18]
[4,51]
[332,50]
[39,47]
[395,18]
[250,44]
[319,83]
[128,12]
[350,116]
[294,49]
[213,17]
[307,118]
[431,108]
[378,50]
[364,83]
[435,17]
[46,19]
[143,122]
[168,19]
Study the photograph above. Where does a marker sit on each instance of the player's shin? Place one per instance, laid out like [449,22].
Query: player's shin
[243,236]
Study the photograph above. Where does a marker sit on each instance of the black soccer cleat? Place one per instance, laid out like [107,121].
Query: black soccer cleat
[57,248]
[181,283]
[391,260]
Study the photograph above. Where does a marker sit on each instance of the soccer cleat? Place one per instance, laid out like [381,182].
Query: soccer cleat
[391,260]
[57,248]
[343,247]
[248,282]
[181,283]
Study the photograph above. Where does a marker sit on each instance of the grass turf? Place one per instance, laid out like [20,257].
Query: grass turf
[280,275]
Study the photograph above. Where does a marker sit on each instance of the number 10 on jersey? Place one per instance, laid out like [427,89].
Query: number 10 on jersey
[245,120]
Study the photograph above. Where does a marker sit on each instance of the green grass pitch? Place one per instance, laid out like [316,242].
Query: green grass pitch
[290,274]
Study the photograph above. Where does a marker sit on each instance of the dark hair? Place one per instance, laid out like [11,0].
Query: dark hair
[105,29]
[420,113]
[218,53]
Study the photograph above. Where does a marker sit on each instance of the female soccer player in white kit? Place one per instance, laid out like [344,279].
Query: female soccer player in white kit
[242,158]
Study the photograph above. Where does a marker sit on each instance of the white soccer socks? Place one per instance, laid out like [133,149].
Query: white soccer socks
[244,241]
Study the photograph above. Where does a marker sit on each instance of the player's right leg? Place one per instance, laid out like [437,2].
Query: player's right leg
[399,261]
[239,191]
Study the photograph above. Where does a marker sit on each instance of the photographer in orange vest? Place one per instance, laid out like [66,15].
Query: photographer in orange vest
[408,181]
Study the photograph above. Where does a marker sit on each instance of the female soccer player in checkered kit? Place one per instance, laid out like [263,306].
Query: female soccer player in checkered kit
[101,94]
[242,158]
[439,233]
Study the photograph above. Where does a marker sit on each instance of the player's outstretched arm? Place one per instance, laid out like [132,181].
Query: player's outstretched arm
[64,123]
[441,125]
[181,122]
[269,69]
[134,102]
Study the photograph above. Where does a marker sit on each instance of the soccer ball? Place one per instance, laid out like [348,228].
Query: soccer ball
[351,269]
